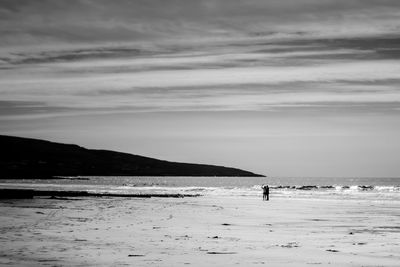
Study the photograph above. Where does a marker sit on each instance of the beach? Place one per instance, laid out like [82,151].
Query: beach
[204,133]
[199,231]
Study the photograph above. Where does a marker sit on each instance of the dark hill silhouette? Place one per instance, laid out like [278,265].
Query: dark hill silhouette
[32,158]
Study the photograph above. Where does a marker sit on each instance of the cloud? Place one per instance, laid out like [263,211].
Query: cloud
[102,56]
[27,22]
[350,85]
[213,54]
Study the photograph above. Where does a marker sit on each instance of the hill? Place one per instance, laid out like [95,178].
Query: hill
[32,158]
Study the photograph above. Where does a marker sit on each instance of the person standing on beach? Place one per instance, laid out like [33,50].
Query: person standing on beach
[265,189]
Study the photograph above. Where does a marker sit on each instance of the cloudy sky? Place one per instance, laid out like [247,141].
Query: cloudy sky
[279,87]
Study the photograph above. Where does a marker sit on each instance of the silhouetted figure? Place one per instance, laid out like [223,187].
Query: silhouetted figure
[265,189]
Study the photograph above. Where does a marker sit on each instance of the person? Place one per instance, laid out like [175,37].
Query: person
[265,189]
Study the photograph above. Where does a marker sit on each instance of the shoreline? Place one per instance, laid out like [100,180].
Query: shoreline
[31,193]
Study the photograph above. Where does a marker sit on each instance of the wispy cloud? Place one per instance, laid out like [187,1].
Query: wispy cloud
[197,55]
[25,22]
[204,89]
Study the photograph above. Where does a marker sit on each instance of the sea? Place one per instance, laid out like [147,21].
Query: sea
[351,188]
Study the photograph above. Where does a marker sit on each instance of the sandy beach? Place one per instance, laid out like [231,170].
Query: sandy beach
[145,133]
[202,231]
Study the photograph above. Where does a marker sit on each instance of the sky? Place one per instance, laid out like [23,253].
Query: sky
[280,87]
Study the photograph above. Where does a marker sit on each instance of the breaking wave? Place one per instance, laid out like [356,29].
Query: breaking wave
[375,189]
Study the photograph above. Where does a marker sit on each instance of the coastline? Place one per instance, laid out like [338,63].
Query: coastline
[31,193]
[211,230]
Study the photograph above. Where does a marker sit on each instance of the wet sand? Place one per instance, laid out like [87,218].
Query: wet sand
[29,194]
[203,231]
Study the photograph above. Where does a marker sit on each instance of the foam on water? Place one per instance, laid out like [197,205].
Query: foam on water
[320,188]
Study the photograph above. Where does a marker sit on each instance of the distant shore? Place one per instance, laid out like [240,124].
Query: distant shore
[23,158]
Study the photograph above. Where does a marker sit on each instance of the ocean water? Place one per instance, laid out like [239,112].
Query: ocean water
[280,187]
